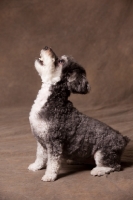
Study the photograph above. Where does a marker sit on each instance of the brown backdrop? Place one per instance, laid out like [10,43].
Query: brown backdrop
[98,34]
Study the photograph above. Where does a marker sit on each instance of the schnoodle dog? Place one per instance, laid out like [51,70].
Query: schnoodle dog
[60,129]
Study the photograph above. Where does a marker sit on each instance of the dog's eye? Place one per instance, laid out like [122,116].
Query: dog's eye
[61,61]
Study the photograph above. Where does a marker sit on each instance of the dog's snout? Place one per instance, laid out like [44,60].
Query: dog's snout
[45,48]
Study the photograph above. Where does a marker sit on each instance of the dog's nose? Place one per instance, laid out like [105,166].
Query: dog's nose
[45,48]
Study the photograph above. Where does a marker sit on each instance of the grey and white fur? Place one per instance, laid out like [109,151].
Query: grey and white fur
[60,129]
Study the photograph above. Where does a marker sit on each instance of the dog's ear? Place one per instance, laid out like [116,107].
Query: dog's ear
[77,82]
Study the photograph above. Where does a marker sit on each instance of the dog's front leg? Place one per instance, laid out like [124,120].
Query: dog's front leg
[53,164]
[41,158]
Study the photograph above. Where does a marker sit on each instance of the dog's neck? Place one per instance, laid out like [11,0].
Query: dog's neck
[52,95]
[59,92]
[50,80]
[44,84]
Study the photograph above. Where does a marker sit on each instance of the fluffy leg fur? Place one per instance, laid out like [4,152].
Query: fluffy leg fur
[53,165]
[100,168]
[41,158]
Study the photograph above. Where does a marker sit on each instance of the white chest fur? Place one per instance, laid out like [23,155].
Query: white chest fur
[36,122]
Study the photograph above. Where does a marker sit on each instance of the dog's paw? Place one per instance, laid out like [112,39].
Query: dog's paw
[34,167]
[49,177]
[100,171]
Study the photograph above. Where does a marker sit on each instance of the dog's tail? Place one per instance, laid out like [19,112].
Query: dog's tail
[126,139]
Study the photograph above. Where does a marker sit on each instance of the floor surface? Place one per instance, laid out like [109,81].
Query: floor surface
[18,148]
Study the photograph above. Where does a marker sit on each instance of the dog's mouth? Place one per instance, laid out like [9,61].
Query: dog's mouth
[40,60]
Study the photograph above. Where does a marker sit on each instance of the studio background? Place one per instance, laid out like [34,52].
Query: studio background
[99,35]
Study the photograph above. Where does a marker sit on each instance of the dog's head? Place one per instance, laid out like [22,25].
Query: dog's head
[74,75]
[47,66]
[53,69]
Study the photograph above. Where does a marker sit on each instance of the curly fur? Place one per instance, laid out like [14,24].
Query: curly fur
[62,131]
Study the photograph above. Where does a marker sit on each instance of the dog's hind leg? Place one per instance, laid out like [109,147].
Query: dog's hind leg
[105,163]
[41,158]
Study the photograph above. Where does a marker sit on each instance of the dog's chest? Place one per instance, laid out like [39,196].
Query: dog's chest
[39,125]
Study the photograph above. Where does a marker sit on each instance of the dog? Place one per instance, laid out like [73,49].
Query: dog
[60,129]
